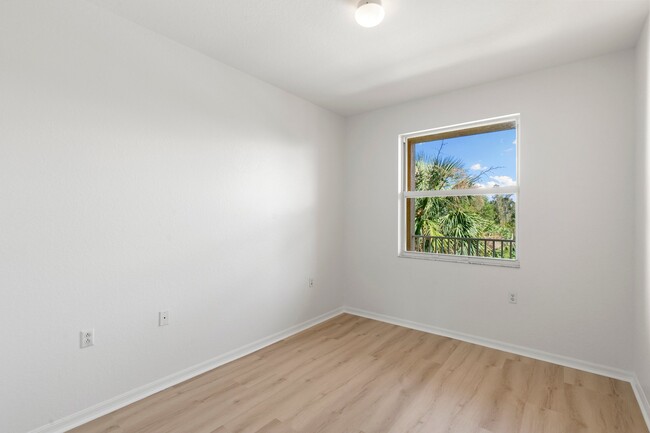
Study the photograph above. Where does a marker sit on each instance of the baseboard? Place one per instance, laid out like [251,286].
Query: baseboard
[642,398]
[499,345]
[86,415]
[565,361]
[64,424]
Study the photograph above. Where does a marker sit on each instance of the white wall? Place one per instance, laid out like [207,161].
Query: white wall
[576,217]
[137,175]
[642,296]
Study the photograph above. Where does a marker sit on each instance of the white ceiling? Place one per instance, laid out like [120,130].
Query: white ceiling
[314,48]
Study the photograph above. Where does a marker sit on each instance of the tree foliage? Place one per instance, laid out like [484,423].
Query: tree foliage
[490,217]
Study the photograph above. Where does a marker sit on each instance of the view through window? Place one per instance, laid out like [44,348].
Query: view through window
[460,191]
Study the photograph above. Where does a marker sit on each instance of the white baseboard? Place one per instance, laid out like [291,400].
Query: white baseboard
[499,345]
[642,398]
[64,424]
[565,361]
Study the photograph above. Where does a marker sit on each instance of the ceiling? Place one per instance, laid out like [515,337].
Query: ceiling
[315,49]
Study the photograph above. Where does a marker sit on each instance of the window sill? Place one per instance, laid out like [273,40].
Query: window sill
[461,259]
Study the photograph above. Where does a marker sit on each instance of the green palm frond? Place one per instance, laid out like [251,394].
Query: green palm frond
[458,216]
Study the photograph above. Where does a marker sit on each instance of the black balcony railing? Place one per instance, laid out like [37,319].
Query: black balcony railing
[477,247]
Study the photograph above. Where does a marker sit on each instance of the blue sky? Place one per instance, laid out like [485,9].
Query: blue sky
[479,152]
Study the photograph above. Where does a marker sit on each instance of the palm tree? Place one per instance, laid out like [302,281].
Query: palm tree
[445,216]
[465,217]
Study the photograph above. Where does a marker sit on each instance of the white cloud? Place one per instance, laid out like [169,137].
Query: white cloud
[477,167]
[497,181]
[504,180]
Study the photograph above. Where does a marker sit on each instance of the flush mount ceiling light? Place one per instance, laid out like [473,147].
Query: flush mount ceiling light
[369,13]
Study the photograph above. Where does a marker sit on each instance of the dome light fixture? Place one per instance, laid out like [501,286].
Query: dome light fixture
[369,13]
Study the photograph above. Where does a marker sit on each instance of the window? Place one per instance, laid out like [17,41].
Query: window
[459,193]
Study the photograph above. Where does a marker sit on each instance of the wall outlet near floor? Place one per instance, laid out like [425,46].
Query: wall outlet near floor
[87,338]
[311,282]
[163,318]
[512,297]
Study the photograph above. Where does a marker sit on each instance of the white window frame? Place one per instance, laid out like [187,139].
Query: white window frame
[404,194]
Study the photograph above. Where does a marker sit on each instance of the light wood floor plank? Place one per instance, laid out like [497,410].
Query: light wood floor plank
[356,375]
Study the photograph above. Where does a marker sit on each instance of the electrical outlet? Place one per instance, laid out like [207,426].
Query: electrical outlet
[512,297]
[163,318]
[311,282]
[87,338]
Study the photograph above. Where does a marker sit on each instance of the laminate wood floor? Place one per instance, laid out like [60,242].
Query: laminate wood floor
[355,375]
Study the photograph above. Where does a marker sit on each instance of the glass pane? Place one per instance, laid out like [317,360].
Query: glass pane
[478,226]
[483,160]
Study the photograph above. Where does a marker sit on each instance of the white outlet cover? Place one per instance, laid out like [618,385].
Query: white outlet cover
[163,318]
[87,338]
